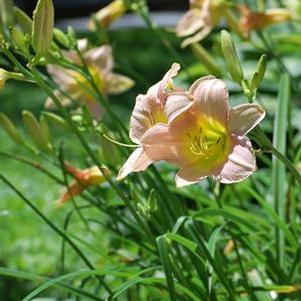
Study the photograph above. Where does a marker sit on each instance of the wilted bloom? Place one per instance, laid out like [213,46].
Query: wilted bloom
[108,14]
[3,78]
[205,137]
[148,111]
[251,20]
[6,75]
[82,180]
[100,64]
[200,19]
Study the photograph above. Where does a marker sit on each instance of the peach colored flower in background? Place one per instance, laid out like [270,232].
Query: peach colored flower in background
[252,20]
[205,137]
[82,180]
[148,111]
[200,19]
[110,13]
[100,63]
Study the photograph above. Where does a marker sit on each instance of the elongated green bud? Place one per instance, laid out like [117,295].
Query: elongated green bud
[259,73]
[35,131]
[61,37]
[45,127]
[23,20]
[231,58]
[6,12]
[57,120]
[10,129]
[42,30]
[19,41]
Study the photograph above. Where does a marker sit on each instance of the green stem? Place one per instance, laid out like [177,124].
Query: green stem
[268,147]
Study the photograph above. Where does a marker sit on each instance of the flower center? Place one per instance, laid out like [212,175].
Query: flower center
[85,85]
[154,117]
[206,143]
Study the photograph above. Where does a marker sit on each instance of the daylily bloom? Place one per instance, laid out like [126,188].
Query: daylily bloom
[205,137]
[100,64]
[82,180]
[251,20]
[200,19]
[148,111]
[108,14]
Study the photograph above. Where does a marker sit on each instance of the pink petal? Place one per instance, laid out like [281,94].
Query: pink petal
[101,58]
[159,144]
[60,76]
[146,112]
[190,23]
[117,84]
[177,103]
[186,177]
[95,109]
[159,89]
[137,161]
[241,162]
[243,118]
[197,37]
[211,98]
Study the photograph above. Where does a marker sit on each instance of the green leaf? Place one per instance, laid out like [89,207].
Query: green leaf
[163,248]
[278,171]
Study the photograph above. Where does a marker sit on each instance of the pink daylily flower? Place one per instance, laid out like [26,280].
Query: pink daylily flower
[199,20]
[149,110]
[205,137]
[100,64]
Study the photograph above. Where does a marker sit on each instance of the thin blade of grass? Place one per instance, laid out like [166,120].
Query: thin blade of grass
[278,171]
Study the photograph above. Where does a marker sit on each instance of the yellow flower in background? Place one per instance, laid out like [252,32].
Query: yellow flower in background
[200,19]
[110,13]
[82,180]
[252,20]
[100,64]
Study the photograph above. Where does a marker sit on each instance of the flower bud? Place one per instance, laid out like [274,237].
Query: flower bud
[259,73]
[108,14]
[6,12]
[35,131]
[42,31]
[61,37]
[57,120]
[10,129]
[19,41]
[231,58]
[23,20]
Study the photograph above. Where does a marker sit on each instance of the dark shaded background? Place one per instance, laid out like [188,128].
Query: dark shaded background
[80,8]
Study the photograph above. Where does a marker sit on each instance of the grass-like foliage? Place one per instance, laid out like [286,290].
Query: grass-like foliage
[150,164]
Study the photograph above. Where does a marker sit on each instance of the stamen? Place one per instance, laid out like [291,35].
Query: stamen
[202,144]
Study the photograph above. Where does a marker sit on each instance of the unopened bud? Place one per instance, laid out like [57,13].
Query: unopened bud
[61,37]
[259,73]
[23,20]
[57,120]
[19,41]
[35,131]
[6,12]
[10,129]
[231,58]
[42,31]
